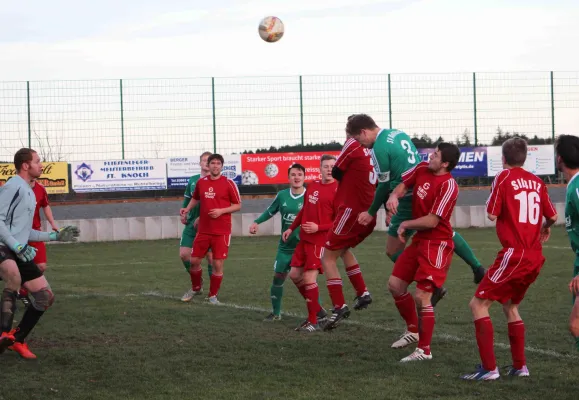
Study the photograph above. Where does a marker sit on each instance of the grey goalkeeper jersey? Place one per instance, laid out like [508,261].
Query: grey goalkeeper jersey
[17,205]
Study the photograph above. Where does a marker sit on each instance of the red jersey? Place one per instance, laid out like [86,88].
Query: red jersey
[41,202]
[519,200]
[432,194]
[358,184]
[318,208]
[219,193]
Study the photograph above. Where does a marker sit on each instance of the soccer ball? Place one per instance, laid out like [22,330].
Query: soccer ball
[249,178]
[271,170]
[271,29]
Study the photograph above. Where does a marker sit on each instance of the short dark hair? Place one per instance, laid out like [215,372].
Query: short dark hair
[449,153]
[327,157]
[215,156]
[296,166]
[22,156]
[205,153]
[357,122]
[515,151]
[567,147]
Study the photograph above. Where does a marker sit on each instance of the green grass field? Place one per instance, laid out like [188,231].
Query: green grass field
[118,331]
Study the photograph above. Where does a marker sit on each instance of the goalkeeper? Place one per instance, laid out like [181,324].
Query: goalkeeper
[17,268]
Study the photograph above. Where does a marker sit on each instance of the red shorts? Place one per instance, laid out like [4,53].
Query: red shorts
[40,252]
[308,256]
[425,261]
[511,275]
[346,231]
[219,245]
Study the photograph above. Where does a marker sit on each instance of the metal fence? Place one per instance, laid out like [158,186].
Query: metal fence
[134,118]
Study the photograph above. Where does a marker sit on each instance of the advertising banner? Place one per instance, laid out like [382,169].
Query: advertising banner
[472,161]
[54,176]
[180,169]
[118,175]
[271,168]
[540,159]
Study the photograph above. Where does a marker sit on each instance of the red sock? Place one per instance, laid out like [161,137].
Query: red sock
[356,279]
[336,292]
[23,292]
[517,340]
[195,279]
[485,339]
[215,284]
[312,296]
[427,321]
[407,309]
[301,287]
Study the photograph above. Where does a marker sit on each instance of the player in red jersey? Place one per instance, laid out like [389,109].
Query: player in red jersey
[315,219]
[219,198]
[518,202]
[357,183]
[40,258]
[427,259]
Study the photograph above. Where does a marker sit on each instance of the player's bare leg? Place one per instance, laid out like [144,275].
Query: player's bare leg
[425,324]
[363,297]
[216,279]
[407,309]
[574,322]
[485,338]
[335,287]
[42,298]
[11,276]
[395,247]
[209,258]
[516,330]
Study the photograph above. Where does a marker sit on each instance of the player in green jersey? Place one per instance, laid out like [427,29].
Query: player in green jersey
[394,153]
[567,149]
[288,203]
[189,230]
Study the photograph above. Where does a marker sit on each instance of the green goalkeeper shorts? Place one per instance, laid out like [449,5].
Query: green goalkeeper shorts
[404,214]
[188,236]
[576,271]
[282,262]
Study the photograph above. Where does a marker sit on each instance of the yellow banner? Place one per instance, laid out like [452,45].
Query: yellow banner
[54,176]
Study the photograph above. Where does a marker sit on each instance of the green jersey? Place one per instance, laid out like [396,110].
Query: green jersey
[572,212]
[288,205]
[392,155]
[194,213]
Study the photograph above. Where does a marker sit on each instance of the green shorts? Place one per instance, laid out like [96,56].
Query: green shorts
[404,214]
[282,262]
[575,271]
[188,236]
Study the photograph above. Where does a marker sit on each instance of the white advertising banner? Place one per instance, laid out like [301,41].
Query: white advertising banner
[180,169]
[540,160]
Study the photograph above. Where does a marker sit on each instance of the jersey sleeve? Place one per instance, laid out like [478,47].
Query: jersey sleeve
[409,177]
[549,210]
[495,200]
[445,199]
[9,200]
[298,221]
[270,211]
[196,194]
[380,197]
[44,201]
[348,154]
[234,196]
[381,160]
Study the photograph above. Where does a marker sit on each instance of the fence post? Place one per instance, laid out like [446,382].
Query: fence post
[389,103]
[301,112]
[28,107]
[214,120]
[552,108]
[122,121]
[474,106]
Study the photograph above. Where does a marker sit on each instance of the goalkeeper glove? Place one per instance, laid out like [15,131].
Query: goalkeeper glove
[25,252]
[65,234]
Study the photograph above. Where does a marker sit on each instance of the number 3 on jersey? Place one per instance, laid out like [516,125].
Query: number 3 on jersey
[406,146]
[373,176]
[529,209]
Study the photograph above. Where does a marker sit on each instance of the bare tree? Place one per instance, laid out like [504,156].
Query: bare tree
[50,148]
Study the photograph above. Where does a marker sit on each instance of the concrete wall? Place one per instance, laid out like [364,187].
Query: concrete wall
[153,228]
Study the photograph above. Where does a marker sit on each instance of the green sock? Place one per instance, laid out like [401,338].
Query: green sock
[463,250]
[577,342]
[187,265]
[210,270]
[276,292]
[395,256]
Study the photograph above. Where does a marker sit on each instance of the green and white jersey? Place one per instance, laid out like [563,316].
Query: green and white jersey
[189,189]
[572,212]
[393,154]
[288,205]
